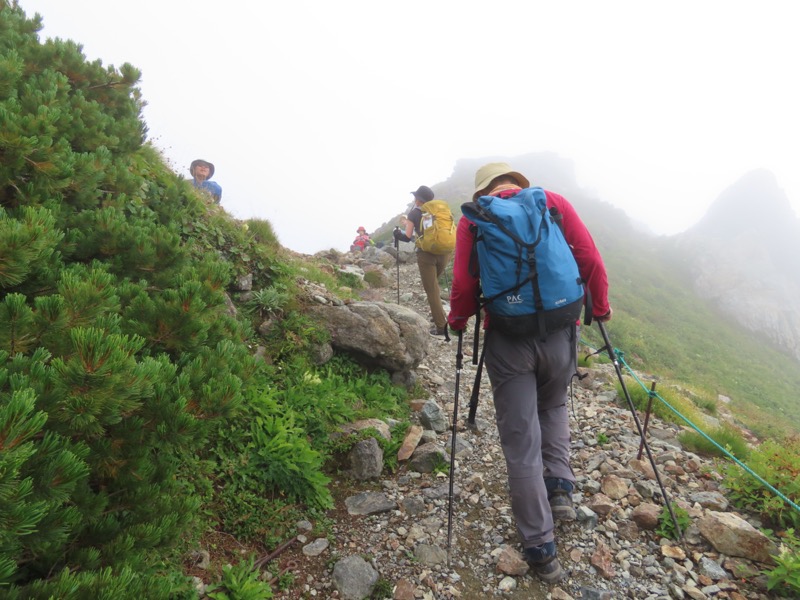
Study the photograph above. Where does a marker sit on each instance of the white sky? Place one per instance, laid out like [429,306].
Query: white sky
[322,115]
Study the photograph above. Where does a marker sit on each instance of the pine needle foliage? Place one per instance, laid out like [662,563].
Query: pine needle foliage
[118,355]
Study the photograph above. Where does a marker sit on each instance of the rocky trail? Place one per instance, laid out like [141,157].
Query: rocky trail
[387,537]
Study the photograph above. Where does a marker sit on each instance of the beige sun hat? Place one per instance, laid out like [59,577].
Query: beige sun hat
[491,171]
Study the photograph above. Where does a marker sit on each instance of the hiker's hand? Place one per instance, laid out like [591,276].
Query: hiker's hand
[400,236]
[606,317]
[456,332]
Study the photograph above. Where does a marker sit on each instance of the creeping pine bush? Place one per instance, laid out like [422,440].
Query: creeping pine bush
[778,463]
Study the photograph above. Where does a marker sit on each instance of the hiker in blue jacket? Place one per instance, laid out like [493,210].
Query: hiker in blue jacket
[202,171]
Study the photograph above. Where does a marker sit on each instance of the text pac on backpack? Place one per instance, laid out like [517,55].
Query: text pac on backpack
[438,230]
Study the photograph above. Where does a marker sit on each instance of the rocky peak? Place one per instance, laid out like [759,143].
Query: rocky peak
[754,204]
[744,255]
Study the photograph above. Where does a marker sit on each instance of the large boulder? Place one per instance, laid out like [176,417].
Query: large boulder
[378,334]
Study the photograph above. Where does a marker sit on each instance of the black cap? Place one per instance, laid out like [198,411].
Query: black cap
[423,193]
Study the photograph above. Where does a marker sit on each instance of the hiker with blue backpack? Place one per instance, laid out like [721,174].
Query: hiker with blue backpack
[432,222]
[524,255]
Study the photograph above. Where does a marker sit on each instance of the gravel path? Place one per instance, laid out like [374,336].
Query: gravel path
[607,555]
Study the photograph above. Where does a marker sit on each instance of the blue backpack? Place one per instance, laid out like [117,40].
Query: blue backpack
[529,279]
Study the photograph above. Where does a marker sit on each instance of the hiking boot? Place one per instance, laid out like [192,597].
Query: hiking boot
[544,562]
[559,494]
[437,331]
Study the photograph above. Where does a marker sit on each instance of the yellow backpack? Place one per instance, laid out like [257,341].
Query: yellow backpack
[438,230]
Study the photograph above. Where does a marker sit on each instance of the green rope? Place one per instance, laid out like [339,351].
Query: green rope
[653,393]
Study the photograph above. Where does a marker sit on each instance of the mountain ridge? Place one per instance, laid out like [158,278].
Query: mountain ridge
[750,266]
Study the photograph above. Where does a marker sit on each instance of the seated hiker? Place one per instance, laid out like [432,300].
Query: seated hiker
[362,240]
[202,171]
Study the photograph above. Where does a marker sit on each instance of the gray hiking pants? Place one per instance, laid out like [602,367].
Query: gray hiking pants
[530,377]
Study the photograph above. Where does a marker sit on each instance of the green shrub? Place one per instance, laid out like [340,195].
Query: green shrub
[703,399]
[666,526]
[340,446]
[641,396]
[117,355]
[785,577]
[269,301]
[777,463]
[269,458]
[383,590]
[350,280]
[241,582]
[726,436]
[293,336]
[375,279]
[338,392]
[262,231]
[266,451]
[253,515]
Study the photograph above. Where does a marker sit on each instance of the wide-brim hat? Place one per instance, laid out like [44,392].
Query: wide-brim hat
[200,161]
[423,193]
[491,171]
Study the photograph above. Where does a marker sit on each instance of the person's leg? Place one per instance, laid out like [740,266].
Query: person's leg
[555,357]
[510,363]
[513,368]
[427,263]
[441,264]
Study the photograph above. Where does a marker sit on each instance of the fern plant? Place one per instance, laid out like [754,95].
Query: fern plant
[241,582]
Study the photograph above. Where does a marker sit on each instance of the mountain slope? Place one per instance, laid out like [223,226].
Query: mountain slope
[744,256]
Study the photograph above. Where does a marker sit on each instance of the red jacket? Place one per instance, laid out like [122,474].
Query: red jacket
[464,291]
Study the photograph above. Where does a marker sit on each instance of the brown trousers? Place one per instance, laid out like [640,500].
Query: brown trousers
[431,267]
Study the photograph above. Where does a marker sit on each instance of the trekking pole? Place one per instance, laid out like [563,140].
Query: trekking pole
[650,397]
[397,262]
[459,357]
[473,400]
[618,369]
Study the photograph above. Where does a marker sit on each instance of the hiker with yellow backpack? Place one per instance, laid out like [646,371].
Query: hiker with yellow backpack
[432,221]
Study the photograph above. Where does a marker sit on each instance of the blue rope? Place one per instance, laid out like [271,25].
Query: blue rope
[652,393]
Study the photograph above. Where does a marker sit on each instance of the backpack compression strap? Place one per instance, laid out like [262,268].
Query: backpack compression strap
[558,219]
[533,275]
